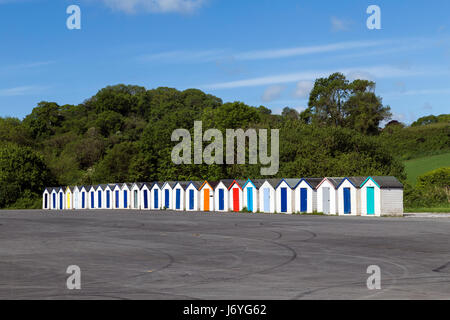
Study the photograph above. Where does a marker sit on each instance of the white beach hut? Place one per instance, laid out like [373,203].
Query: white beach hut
[145,196]
[192,196]
[284,198]
[327,199]
[349,196]
[167,194]
[156,194]
[83,198]
[61,198]
[267,198]
[221,196]
[179,193]
[76,197]
[235,195]
[68,198]
[381,196]
[305,195]
[91,196]
[250,193]
[206,193]
[117,196]
[46,198]
[136,195]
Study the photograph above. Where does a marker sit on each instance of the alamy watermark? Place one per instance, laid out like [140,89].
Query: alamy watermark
[74,20]
[74,280]
[214,152]
[374,21]
[374,281]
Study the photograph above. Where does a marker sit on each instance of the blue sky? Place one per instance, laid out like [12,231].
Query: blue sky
[261,52]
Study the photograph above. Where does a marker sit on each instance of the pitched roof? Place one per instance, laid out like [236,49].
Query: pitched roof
[312,182]
[183,184]
[212,184]
[255,182]
[139,185]
[227,182]
[385,182]
[170,183]
[240,183]
[272,182]
[355,181]
[292,183]
[196,184]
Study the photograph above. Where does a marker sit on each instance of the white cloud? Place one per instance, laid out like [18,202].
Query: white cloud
[418,92]
[299,51]
[182,56]
[428,106]
[339,24]
[156,6]
[272,93]
[372,72]
[21,91]
[303,89]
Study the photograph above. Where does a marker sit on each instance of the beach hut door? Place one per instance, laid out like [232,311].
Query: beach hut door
[283,199]
[266,200]
[108,199]
[206,199]
[371,200]
[303,200]
[347,202]
[236,199]
[145,199]
[166,200]
[156,199]
[250,199]
[177,199]
[191,199]
[221,199]
[326,200]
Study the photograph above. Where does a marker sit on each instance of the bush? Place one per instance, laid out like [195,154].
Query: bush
[432,189]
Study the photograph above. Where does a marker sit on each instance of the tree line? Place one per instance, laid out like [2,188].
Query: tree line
[123,133]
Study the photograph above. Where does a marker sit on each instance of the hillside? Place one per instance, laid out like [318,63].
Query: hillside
[417,141]
[123,133]
[419,166]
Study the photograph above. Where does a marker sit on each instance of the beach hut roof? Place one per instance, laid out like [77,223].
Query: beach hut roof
[227,182]
[292,183]
[335,181]
[312,182]
[212,184]
[240,183]
[384,182]
[171,184]
[139,185]
[257,183]
[355,181]
[196,184]
[183,184]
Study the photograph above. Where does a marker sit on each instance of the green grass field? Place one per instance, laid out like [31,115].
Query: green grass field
[419,166]
[428,210]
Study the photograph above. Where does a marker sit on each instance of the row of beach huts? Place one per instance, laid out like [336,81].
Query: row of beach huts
[353,196]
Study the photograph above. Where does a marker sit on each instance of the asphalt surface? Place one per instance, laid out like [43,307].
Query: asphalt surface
[167,255]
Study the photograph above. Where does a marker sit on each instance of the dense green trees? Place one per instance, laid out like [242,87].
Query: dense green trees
[23,175]
[432,190]
[123,133]
[334,101]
